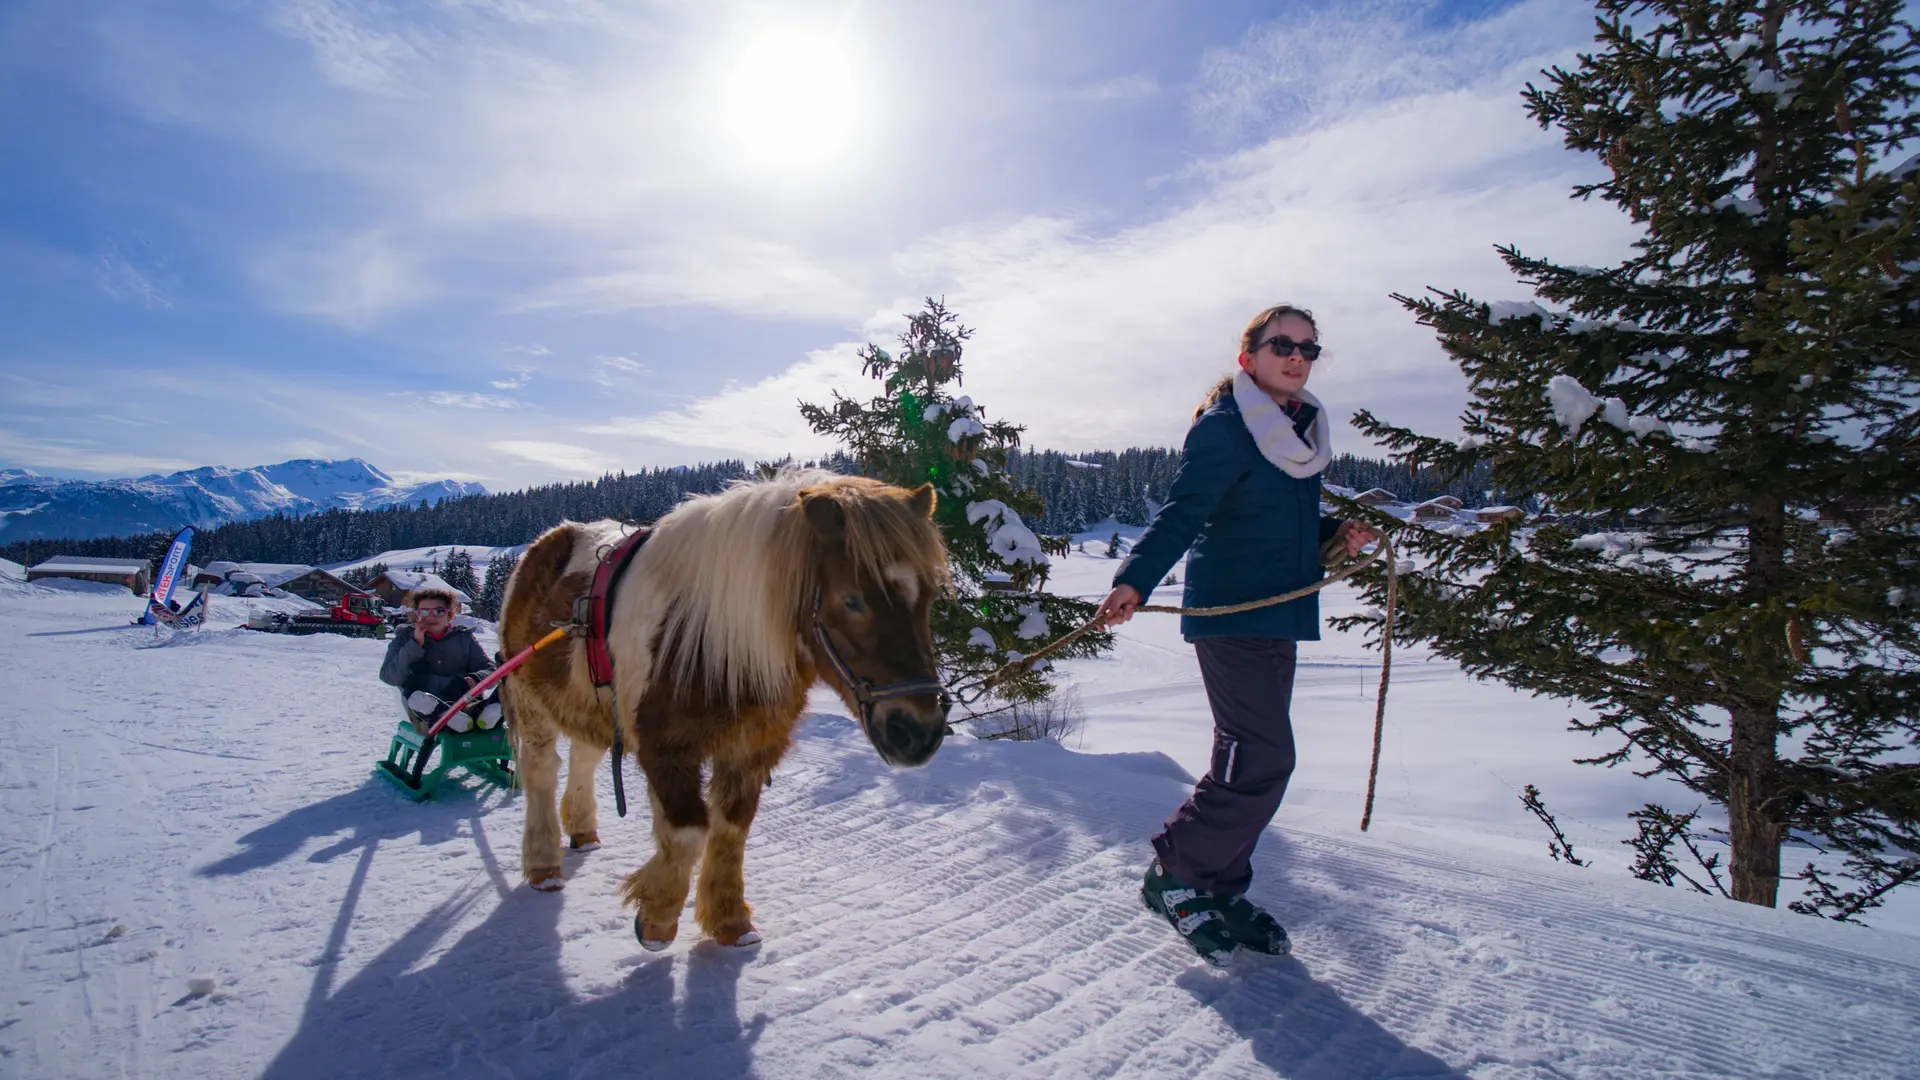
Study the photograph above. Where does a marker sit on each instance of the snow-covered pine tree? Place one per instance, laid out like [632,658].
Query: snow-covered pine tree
[362,576]
[494,590]
[915,432]
[457,571]
[1726,424]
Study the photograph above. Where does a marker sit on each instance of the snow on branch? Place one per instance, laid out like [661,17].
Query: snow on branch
[1007,535]
[1573,405]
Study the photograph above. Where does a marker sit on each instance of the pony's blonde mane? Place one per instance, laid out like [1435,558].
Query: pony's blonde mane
[733,573]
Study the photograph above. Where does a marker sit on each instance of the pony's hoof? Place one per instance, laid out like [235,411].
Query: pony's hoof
[585,841]
[653,936]
[739,941]
[547,880]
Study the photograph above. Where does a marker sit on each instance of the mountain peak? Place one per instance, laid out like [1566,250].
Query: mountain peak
[34,508]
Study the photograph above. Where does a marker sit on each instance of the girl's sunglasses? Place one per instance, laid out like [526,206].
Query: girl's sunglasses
[1282,345]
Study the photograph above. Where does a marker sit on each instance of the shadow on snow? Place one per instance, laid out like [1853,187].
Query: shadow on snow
[497,1002]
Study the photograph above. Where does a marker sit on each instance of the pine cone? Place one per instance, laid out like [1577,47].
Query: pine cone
[1796,639]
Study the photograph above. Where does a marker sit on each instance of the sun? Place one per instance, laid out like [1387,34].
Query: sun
[791,98]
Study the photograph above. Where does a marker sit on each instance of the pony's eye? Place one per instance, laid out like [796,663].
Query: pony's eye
[853,603]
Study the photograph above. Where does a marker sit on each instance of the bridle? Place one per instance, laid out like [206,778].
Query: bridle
[865,693]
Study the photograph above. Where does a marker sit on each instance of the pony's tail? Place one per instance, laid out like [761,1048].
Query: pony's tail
[512,723]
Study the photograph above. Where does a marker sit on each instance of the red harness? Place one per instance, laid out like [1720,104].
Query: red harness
[599,604]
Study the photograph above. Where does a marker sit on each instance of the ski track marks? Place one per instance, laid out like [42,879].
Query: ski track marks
[978,918]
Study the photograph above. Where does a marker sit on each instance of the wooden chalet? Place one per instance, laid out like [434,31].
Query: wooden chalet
[135,574]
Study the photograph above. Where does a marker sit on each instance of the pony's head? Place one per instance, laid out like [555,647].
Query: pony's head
[878,562]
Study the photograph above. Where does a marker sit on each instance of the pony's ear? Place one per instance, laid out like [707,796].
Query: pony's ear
[824,514]
[923,499]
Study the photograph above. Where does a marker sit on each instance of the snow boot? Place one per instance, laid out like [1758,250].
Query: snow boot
[1252,928]
[490,716]
[426,708]
[1192,912]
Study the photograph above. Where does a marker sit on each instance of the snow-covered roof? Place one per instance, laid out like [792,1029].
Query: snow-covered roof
[90,564]
[410,580]
[281,577]
[265,571]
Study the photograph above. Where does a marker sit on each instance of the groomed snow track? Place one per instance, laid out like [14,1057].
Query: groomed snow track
[975,919]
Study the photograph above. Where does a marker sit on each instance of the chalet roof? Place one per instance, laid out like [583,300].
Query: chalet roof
[91,564]
[409,580]
[282,577]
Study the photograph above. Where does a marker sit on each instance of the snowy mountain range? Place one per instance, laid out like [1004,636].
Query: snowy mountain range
[34,507]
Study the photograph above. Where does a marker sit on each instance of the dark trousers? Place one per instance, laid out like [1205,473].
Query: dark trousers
[1208,843]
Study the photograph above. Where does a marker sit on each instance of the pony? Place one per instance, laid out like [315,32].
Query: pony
[735,605]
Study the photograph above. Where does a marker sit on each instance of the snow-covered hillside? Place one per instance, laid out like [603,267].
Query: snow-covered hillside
[37,507]
[199,806]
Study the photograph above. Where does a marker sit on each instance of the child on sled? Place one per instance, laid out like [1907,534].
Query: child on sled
[437,662]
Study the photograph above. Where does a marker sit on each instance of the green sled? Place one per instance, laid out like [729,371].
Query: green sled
[486,754]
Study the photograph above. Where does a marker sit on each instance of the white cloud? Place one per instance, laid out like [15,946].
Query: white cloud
[1315,65]
[306,448]
[423,476]
[121,279]
[463,400]
[353,280]
[346,47]
[572,175]
[616,370]
[1120,88]
[85,456]
[761,420]
[561,457]
[1102,340]
[732,273]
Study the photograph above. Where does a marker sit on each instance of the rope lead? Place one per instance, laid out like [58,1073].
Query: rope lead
[1331,554]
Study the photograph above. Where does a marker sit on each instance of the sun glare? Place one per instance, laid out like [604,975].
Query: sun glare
[791,99]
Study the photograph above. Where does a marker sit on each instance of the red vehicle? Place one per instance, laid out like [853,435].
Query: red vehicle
[356,614]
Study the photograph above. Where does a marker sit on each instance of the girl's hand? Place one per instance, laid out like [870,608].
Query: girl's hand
[1357,535]
[1118,607]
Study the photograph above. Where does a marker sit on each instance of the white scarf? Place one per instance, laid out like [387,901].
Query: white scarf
[1273,432]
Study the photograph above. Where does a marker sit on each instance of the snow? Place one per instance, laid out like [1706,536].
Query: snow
[1572,404]
[979,638]
[409,580]
[1500,311]
[206,497]
[1763,80]
[964,427]
[210,793]
[1006,533]
[424,557]
[1643,425]
[1033,623]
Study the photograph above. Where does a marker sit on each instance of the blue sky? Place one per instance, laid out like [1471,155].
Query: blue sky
[518,242]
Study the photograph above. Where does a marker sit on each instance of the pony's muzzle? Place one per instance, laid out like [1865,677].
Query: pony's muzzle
[906,737]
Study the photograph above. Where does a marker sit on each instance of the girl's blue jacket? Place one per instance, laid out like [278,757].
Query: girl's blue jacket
[1255,532]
